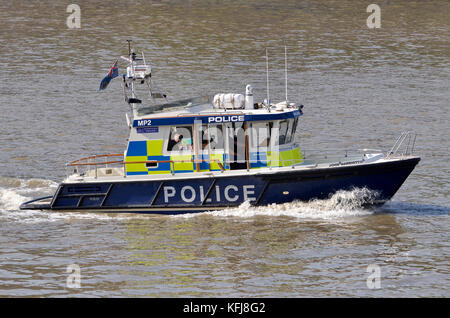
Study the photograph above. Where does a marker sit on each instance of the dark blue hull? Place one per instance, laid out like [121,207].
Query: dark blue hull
[173,196]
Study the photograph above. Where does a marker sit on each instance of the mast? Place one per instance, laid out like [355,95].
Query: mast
[130,73]
[285,72]
[267,75]
[138,73]
[129,47]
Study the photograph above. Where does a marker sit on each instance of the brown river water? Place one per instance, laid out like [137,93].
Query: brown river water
[361,88]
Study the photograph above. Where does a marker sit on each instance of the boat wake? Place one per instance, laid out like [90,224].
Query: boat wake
[340,205]
[15,191]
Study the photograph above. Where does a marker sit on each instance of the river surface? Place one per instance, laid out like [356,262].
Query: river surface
[361,88]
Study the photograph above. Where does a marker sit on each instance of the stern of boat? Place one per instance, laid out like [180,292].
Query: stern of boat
[44,203]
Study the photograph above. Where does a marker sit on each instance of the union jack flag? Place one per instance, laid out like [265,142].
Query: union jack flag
[113,72]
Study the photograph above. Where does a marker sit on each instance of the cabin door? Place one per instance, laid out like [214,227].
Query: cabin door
[209,147]
[237,145]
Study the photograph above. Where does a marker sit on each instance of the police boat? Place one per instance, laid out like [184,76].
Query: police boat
[215,152]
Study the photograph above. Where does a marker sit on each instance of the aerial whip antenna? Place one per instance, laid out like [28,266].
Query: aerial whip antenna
[267,72]
[129,47]
[285,71]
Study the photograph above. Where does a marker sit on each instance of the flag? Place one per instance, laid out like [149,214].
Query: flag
[113,72]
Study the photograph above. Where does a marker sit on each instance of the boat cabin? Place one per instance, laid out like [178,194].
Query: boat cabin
[209,133]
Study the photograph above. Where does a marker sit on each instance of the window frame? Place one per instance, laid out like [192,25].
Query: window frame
[169,138]
[284,121]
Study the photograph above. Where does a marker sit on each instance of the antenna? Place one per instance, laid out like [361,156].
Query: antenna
[267,72]
[285,71]
[129,47]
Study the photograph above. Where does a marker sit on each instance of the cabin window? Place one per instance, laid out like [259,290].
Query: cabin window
[260,135]
[236,145]
[294,128]
[212,137]
[151,164]
[180,138]
[289,131]
[283,131]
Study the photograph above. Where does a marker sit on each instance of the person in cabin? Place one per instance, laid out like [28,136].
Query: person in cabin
[205,141]
[213,143]
[175,143]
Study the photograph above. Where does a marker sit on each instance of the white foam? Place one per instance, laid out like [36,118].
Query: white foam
[10,199]
[340,205]
[15,191]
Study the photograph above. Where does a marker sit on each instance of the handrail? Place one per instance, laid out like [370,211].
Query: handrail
[408,150]
[77,163]
[90,161]
[74,163]
[332,158]
[97,163]
[95,157]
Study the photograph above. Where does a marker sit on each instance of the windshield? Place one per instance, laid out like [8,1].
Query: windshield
[196,102]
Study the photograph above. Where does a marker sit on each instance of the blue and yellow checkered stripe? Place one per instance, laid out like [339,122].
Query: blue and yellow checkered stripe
[275,159]
[140,151]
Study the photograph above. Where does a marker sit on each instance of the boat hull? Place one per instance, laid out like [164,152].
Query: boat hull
[172,196]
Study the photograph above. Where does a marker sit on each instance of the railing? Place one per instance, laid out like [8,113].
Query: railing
[335,156]
[89,166]
[408,146]
[93,161]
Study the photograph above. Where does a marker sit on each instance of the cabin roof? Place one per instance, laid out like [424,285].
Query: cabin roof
[198,106]
[189,105]
[212,115]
